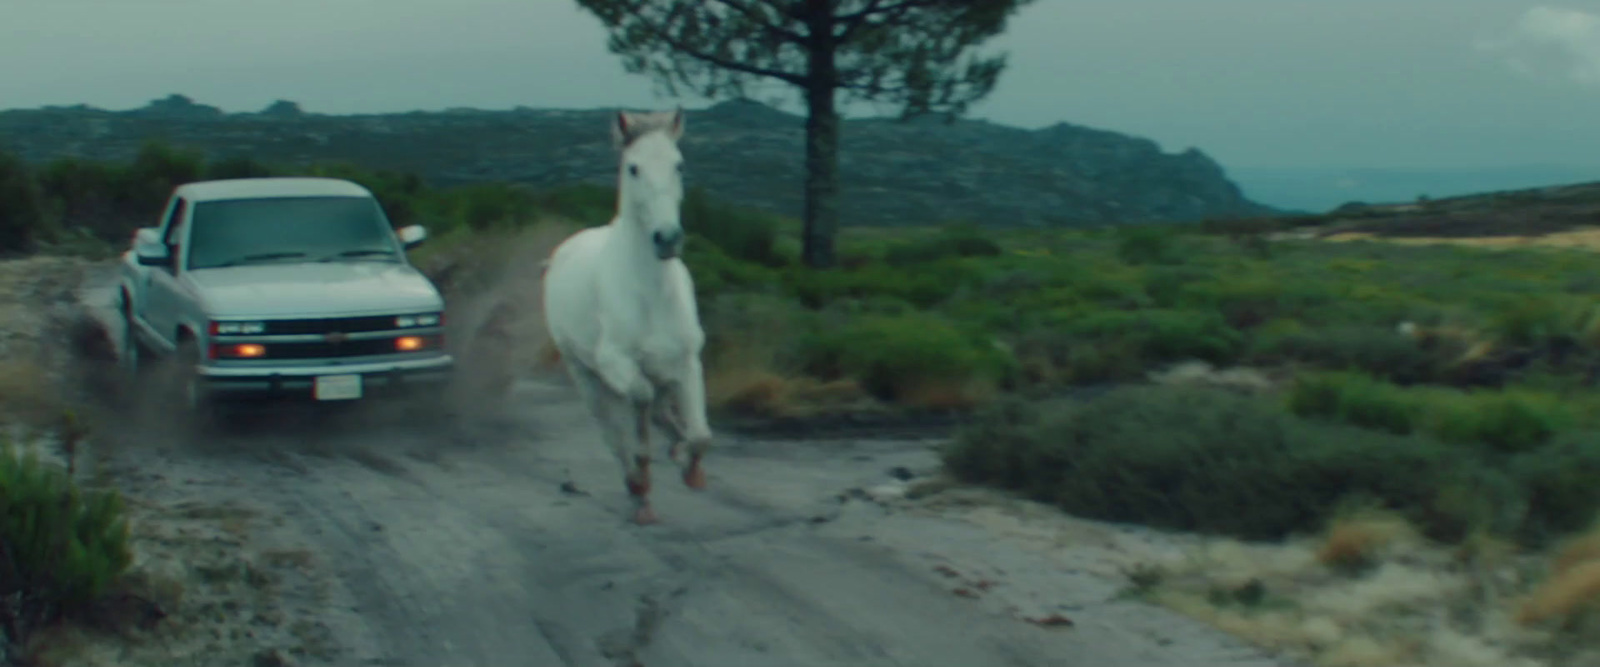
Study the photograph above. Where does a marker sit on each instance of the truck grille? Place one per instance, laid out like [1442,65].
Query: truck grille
[329,325]
[328,338]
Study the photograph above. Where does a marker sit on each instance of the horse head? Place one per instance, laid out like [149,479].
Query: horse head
[650,178]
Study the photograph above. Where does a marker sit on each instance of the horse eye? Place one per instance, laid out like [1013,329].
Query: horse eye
[633,170]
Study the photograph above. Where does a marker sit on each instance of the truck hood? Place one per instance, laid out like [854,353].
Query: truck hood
[332,289]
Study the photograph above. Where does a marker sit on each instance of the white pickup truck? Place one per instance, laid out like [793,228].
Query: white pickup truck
[279,287]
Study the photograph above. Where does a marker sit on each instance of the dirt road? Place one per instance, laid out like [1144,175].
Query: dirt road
[512,547]
[507,544]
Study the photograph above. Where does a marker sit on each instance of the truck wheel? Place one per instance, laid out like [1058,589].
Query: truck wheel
[181,388]
[128,353]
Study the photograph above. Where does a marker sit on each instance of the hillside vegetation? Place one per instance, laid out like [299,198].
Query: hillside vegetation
[1232,378]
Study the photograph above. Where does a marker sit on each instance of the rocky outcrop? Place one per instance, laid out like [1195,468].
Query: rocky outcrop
[894,173]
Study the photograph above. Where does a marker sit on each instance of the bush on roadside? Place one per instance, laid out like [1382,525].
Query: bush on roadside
[1213,461]
[1562,496]
[1504,421]
[64,547]
[914,358]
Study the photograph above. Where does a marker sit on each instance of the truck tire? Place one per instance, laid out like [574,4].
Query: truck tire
[180,389]
[129,352]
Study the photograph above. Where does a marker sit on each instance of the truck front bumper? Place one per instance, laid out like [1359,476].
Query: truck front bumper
[298,382]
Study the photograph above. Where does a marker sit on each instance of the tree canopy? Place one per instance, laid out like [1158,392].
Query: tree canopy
[915,54]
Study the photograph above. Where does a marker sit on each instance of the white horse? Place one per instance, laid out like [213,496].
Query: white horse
[620,308]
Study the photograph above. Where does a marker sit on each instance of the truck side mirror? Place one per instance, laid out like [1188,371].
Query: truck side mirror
[148,248]
[412,236]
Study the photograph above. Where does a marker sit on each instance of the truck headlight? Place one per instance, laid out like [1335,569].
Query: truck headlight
[237,328]
[409,321]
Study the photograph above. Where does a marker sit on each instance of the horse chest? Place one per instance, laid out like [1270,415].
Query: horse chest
[661,338]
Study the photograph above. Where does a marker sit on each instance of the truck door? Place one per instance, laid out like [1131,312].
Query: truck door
[164,294]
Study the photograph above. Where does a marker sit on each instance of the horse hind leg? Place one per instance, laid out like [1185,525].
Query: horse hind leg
[614,413]
[665,418]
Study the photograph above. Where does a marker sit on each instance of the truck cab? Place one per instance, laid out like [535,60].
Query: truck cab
[295,288]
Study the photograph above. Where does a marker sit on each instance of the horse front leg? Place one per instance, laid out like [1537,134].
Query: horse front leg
[639,484]
[691,409]
[615,415]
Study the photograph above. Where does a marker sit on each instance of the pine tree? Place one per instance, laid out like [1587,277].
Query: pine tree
[915,54]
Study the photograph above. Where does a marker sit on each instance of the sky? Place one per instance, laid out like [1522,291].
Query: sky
[1423,84]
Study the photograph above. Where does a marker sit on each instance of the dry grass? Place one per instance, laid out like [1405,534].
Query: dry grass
[1565,599]
[945,393]
[749,391]
[754,389]
[1357,541]
[1580,239]
[1409,603]
[1571,593]
[1576,551]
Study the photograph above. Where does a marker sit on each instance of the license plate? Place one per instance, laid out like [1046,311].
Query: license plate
[337,387]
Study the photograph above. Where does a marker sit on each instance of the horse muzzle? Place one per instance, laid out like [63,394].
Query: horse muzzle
[669,245]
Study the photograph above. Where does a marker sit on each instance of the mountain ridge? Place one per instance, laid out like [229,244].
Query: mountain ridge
[893,172]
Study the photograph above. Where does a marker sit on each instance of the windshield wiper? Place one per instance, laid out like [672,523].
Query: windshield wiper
[365,252]
[260,257]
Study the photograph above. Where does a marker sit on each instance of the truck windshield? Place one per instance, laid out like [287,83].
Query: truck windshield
[289,229]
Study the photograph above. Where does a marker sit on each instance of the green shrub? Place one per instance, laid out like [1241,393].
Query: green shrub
[1377,350]
[950,243]
[714,272]
[1354,398]
[1508,421]
[1213,461]
[923,286]
[1162,335]
[1505,421]
[585,203]
[743,233]
[66,547]
[1536,321]
[892,356]
[22,219]
[238,166]
[1559,479]
[1147,244]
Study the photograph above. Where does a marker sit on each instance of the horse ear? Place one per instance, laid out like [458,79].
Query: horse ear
[619,130]
[677,124]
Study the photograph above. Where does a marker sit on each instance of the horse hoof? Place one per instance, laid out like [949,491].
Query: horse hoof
[695,478]
[645,516]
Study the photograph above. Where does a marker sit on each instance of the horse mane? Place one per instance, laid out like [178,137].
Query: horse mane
[636,125]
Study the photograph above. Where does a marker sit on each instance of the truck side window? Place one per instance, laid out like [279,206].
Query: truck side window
[175,230]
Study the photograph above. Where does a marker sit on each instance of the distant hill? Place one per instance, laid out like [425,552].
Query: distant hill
[894,173]
[1322,189]
[1525,212]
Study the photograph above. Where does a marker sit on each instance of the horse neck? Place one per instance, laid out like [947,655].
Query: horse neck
[635,256]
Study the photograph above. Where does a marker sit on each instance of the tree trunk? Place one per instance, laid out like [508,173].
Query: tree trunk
[821,214]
